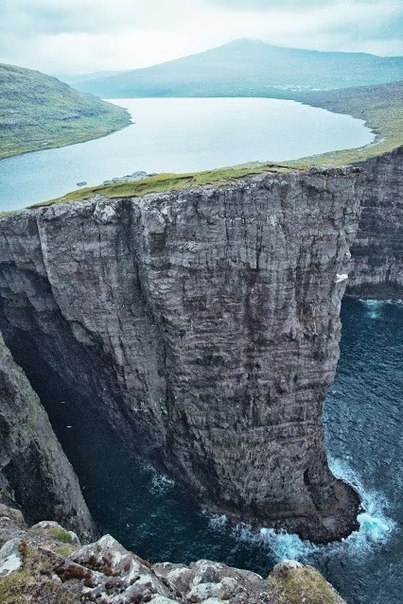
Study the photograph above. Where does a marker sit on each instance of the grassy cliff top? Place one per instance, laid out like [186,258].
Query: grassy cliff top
[40,112]
[162,183]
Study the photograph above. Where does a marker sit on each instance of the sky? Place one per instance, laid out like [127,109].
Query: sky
[82,36]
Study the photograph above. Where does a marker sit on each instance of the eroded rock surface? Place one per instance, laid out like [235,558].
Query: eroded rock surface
[34,472]
[204,325]
[377,252]
[47,567]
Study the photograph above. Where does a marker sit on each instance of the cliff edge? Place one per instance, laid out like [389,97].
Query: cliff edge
[204,326]
[377,251]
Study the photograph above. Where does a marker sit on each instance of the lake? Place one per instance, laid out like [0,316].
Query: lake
[181,135]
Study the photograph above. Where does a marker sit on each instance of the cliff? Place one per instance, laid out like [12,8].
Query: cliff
[377,251]
[204,326]
[34,472]
[46,563]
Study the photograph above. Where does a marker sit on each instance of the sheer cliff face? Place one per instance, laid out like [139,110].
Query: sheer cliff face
[204,325]
[34,472]
[377,252]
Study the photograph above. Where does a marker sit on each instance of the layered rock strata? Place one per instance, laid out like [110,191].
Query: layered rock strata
[204,325]
[48,564]
[34,472]
[377,251]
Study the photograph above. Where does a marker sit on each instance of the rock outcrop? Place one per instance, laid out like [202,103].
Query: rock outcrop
[204,325]
[377,252]
[46,563]
[34,472]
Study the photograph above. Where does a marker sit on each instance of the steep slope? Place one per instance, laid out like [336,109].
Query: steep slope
[39,112]
[377,252]
[34,472]
[204,326]
[248,68]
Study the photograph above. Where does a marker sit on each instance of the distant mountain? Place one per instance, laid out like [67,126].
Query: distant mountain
[39,112]
[73,79]
[248,68]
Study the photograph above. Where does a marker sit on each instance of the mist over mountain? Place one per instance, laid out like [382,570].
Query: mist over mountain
[246,68]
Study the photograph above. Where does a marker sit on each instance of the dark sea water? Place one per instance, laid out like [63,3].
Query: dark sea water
[149,515]
[181,135]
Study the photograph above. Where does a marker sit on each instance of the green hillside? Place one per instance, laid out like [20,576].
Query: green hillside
[40,112]
[248,68]
[381,107]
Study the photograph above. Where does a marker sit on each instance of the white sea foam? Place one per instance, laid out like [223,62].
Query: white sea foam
[373,307]
[160,483]
[375,527]
[287,546]
[217,521]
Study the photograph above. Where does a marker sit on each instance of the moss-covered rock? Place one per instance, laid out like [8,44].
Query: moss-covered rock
[294,583]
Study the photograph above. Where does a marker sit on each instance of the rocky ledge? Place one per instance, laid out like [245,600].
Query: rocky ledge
[47,563]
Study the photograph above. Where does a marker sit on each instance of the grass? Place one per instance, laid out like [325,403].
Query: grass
[161,183]
[34,582]
[65,550]
[304,584]
[381,107]
[60,534]
[12,587]
[39,112]
[16,586]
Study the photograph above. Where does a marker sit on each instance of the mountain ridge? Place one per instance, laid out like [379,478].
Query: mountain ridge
[247,67]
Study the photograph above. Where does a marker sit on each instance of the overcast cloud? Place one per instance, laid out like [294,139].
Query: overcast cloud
[78,36]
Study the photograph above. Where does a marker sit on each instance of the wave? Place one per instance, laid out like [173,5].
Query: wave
[375,528]
[374,307]
[161,483]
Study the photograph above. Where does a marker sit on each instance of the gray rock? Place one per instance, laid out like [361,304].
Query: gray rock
[377,252]
[105,571]
[204,326]
[10,557]
[34,472]
[128,178]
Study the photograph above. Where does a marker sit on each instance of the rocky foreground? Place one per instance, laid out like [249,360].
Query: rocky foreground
[46,564]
